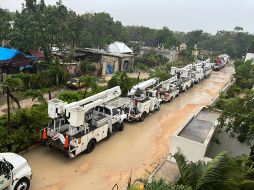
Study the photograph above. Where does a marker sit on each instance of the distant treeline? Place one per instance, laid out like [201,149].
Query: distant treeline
[39,25]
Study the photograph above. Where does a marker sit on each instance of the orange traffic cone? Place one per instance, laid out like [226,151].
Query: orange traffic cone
[66,143]
[44,135]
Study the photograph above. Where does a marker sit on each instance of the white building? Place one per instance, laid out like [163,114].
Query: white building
[249,56]
[119,47]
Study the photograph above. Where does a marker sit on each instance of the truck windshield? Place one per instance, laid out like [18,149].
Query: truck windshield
[115,111]
[5,169]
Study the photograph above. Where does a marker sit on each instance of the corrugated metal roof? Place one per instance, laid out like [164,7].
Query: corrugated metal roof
[119,47]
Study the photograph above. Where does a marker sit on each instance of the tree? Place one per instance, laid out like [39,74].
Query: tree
[244,74]
[11,84]
[90,83]
[122,80]
[36,94]
[223,172]
[5,26]
[237,118]
[161,73]
[87,67]
[238,29]
[166,38]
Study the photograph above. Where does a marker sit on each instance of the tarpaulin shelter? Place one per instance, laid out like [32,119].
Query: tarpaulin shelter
[8,54]
[11,60]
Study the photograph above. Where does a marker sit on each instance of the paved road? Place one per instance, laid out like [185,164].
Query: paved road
[138,149]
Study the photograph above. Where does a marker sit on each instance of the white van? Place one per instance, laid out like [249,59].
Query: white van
[15,173]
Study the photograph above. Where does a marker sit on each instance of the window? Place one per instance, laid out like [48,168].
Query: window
[57,124]
[107,111]
[115,111]
[98,108]
[62,122]
[5,169]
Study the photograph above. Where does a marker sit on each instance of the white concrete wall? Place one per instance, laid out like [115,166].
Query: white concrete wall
[194,151]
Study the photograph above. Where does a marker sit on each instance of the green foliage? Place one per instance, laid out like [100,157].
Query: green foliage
[87,67]
[71,96]
[36,94]
[142,67]
[122,80]
[25,128]
[237,117]
[90,82]
[14,84]
[4,24]
[152,59]
[161,73]
[54,75]
[223,172]
[244,74]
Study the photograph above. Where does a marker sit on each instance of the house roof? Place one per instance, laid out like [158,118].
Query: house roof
[38,54]
[119,47]
[7,54]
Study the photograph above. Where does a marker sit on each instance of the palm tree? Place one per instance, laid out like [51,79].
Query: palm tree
[90,83]
[8,86]
[221,173]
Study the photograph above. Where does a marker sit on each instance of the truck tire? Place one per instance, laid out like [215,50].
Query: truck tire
[90,146]
[121,126]
[159,107]
[23,184]
[142,118]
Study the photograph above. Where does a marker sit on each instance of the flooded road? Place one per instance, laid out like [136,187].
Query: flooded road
[138,149]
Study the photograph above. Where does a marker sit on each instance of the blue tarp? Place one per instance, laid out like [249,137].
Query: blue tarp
[8,54]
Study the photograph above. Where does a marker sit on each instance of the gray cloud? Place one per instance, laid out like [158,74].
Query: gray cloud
[180,15]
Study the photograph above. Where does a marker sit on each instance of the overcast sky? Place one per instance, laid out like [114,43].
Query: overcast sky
[178,15]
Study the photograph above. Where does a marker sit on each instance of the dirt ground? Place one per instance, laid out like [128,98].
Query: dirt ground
[137,150]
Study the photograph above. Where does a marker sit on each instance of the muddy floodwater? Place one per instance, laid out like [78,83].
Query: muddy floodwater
[137,150]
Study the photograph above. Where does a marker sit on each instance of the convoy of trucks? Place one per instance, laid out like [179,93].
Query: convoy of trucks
[77,127]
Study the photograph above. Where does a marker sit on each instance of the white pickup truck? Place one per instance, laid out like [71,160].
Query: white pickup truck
[15,173]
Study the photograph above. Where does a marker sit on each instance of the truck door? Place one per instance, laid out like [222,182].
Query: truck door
[5,175]
[115,115]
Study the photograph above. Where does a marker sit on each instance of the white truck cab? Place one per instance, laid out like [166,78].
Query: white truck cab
[115,114]
[15,173]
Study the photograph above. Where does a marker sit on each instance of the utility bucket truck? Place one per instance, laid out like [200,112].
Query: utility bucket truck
[183,80]
[195,73]
[167,90]
[15,173]
[143,98]
[206,66]
[77,127]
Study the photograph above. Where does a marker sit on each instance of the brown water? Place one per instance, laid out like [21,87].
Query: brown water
[138,149]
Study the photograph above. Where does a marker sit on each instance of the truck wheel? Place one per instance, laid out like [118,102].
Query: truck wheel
[121,126]
[23,184]
[91,146]
[142,118]
[159,107]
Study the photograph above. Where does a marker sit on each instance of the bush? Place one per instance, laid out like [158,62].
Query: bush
[142,67]
[244,74]
[87,67]
[25,128]
[122,80]
[53,76]
[76,96]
